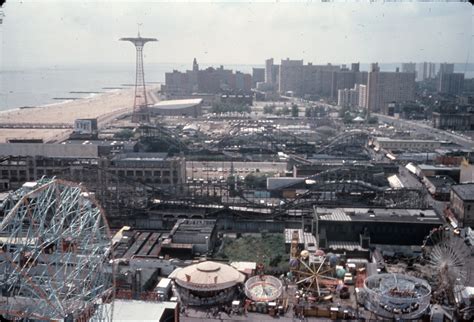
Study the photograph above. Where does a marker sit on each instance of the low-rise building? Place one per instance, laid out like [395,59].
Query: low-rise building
[238,99]
[207,283]
[428,170]
[403,144]
[182,107]
[85,128]
[366,226]
[134,310]
[190,237]
[439,186]
[157,169]
[458,121]
[462,204]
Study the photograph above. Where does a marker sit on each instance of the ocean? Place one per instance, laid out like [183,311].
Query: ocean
[40,86]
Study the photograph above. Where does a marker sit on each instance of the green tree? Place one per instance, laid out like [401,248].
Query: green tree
[294,110]
[229,107]
[124,134]
[275,260]
[373,120]
[285,110]
[269,109]
[254,181]
[231,183]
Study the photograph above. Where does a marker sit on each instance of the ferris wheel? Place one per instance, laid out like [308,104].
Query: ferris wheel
[314,277]
[55,254]
[446,254]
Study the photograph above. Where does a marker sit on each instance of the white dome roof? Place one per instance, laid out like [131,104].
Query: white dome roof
[208,276]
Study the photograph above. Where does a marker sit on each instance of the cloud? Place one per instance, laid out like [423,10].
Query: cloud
[70,32]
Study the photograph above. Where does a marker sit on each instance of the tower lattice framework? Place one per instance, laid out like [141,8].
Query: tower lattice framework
[141,113]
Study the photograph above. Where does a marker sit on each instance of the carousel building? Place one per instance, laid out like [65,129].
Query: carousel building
[207,283]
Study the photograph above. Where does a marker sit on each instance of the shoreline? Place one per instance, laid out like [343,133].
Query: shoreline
[90,106]
[87,95]
[104,107]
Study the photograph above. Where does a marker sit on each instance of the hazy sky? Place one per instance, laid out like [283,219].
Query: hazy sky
[70,32]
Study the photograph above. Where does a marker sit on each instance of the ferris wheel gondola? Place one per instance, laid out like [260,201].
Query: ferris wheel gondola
[446,254]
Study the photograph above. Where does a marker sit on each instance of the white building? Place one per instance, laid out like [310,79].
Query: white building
[362,95]
[349,97]
[400,144]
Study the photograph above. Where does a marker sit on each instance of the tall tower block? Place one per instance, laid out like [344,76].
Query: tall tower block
[141,113]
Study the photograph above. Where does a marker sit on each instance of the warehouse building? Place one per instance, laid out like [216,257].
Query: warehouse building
[366,226]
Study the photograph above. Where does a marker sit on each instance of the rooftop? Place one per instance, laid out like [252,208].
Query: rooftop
[437,167]
[385,139]
[100,142]
[144,156]
[439,181]
[177,104]
[207,276]
[378,215]
[140,310]
[464,191]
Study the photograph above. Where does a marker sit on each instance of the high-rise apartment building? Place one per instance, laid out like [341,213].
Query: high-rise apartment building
[426,71]
[268,71]
[451,83]
[345,78]
[348,97]
[258,76]
[311,80]
[431,70]
[271,73]
[445,68]
[317,79]
[408,68]
[355,67]
[291,72]
[210,80]
[362,95]
[388,87]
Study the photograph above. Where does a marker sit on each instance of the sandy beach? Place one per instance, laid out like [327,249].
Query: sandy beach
[104,106]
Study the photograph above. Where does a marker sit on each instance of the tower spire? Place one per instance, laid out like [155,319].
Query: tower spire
[140,106]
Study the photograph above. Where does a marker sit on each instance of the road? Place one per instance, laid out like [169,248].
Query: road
[428,129]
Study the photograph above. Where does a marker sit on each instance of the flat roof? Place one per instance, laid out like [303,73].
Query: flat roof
[464,191]
[52,150]
[385,139]
[440,181]
[378,215]
[177,104]
[100,142]
[142,156]
[126,310]
[437,167]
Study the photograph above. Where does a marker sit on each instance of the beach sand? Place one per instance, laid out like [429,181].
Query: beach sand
[105,107]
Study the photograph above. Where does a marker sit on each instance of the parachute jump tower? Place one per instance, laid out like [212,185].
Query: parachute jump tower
[141,113]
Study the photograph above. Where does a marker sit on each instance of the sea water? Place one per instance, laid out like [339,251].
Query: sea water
[40,86]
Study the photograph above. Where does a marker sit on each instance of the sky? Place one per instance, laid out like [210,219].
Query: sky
[48,33]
